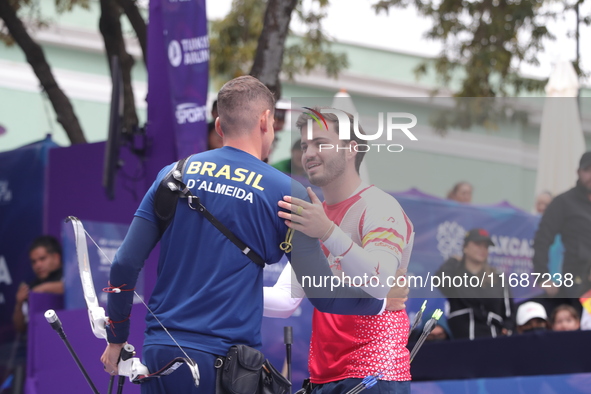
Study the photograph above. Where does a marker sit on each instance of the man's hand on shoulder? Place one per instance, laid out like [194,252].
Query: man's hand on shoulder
[309,218]
[22,294]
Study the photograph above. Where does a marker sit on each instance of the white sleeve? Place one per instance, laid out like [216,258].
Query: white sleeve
[387,240]
[284,297]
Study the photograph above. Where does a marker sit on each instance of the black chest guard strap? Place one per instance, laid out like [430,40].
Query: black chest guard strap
[166,199]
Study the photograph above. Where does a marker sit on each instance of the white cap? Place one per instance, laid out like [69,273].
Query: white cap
[530,310]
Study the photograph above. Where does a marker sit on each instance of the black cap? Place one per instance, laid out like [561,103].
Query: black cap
[585,161]
[478,235]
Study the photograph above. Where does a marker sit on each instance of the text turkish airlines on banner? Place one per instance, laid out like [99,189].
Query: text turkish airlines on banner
[185,36]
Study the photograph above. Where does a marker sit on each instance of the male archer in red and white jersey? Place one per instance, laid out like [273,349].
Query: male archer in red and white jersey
[368,239]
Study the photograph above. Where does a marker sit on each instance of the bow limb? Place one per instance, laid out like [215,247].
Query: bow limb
[129,365]
[96,313]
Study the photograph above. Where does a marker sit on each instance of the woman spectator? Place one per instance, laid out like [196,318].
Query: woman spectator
[461,192]
[565,318]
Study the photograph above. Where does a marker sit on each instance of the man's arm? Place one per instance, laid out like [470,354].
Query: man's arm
[56,287]
[18,317]
[127,264]
[284,297]
[359,262]
[385,236]
[549,226]
[325,291]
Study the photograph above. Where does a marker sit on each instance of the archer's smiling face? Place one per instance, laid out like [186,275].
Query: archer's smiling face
[324,157]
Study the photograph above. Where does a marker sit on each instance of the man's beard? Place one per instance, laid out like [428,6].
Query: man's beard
[332,170]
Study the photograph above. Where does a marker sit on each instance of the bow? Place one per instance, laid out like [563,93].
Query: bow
[128,366]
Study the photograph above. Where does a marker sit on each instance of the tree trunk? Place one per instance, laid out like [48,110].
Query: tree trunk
[36,58]
[269,56]
[137,22]
[110,27]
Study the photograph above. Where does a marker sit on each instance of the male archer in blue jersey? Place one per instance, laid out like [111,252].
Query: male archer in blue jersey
[201,273]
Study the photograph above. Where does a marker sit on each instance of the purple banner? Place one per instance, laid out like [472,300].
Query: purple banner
[21,189]
[182,29]
[50,367]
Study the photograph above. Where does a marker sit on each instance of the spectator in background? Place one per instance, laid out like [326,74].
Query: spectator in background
[461,192]
[482,311]
[214,140]
[292,165]
[569,215]
[439,333]
[531,316]
[281,108]
[279,119]
[542,201]
[565,318]
[45,254]
[214,115]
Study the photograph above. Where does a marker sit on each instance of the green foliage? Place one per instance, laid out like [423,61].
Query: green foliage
[234,39]
[486,39]
[313,49]
[30,11]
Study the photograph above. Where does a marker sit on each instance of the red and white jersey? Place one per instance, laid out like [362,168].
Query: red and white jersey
[356,346]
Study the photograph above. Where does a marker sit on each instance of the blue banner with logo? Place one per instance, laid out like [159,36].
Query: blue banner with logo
[440,226]
[108,236]
[21,213]
[186,44]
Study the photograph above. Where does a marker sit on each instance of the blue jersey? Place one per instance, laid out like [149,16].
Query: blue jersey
[208,294]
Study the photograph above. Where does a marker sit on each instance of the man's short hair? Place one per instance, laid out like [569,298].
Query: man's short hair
[51,244]
[330,117]
[240,103]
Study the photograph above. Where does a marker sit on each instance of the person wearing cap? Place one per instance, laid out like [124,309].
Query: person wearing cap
[569,214]
[531,316]
[476,310]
